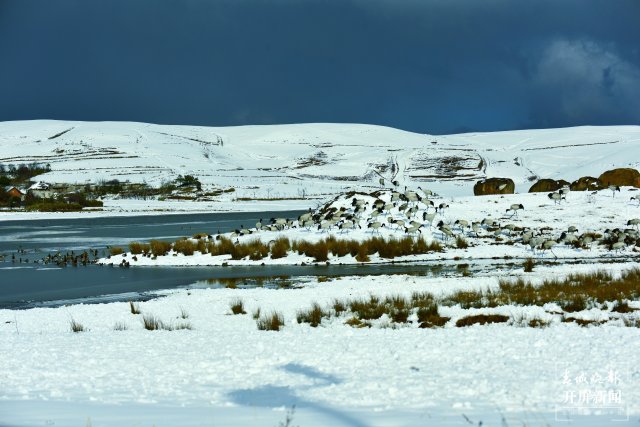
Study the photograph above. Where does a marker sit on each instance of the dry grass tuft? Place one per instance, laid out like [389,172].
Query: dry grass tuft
[185,246]
[528,265]
[271,322]
[152,323]
[116,250]
[134,307]
[159,247]
[461,243]
[237,306]
[280,248]
[120,326]
[77,326]
[481,319]
[312,316]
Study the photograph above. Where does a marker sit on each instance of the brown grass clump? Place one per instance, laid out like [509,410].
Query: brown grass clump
[280,248]
[319,251]
[312,316]
[77,326]
[152,323]
[356,323]
[134,307]
[201,246]
[116,250]
[461,243]
[338,307]
[237,306]
[622,307]
[368,309]
[185,246]
[581,322]
[429,317]
[222,246]
[538,323]
[271,322]
[159,247]
[528,265]
[135,248]
[481,319]
[254,249]
[362,255]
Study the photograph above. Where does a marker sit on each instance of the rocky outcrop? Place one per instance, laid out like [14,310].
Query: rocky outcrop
[546,185]
[586,183]
[494,186]
[621,176]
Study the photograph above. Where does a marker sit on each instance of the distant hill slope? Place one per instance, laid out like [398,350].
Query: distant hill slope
[292,160]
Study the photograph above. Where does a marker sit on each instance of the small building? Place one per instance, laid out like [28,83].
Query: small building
[41,190]
[14,192]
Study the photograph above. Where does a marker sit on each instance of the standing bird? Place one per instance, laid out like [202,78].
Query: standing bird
[634,221]
[613,189]
[547,245]
[515,208]
[556,197]
[375,226]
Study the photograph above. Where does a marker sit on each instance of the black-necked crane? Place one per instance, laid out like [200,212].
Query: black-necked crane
[325,226]
[475,227]
[613,189]
[441,207]
[618,246]
[548,245]
[426,192]
[515,208]
[446,231]
[413,229]
[636,198]
[429,217]
[462,224]
[556,197]
[635,222]
[347,225]
[375,226]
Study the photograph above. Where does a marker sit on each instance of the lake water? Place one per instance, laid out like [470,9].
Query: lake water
[28,284]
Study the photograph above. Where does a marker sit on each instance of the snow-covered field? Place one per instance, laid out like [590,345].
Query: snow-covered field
[226,372]
[313,161]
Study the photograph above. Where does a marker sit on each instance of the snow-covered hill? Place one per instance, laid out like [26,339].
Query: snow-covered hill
[290,161]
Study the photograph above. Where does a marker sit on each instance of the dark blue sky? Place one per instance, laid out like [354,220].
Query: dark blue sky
[435,66]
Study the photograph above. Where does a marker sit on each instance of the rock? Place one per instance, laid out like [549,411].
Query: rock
[546,185]
[586,183]
[621,176]
[494,186]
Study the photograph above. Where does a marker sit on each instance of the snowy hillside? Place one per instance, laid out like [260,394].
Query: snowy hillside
[292,161]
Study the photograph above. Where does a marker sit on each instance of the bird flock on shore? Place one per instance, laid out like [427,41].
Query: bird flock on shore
[411,212]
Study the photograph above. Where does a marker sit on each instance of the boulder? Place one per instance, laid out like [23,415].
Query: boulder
[586,183]
[494,186]
[621,176]
[546,185]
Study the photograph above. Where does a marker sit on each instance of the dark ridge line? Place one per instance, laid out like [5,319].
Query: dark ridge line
[571,145]
[192,139]
[61,133]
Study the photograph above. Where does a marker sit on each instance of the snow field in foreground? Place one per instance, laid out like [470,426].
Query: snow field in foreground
[225,362]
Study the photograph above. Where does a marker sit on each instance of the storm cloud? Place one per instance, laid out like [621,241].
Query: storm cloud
[435,66]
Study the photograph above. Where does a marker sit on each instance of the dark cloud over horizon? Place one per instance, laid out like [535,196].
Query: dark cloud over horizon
[434,66]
